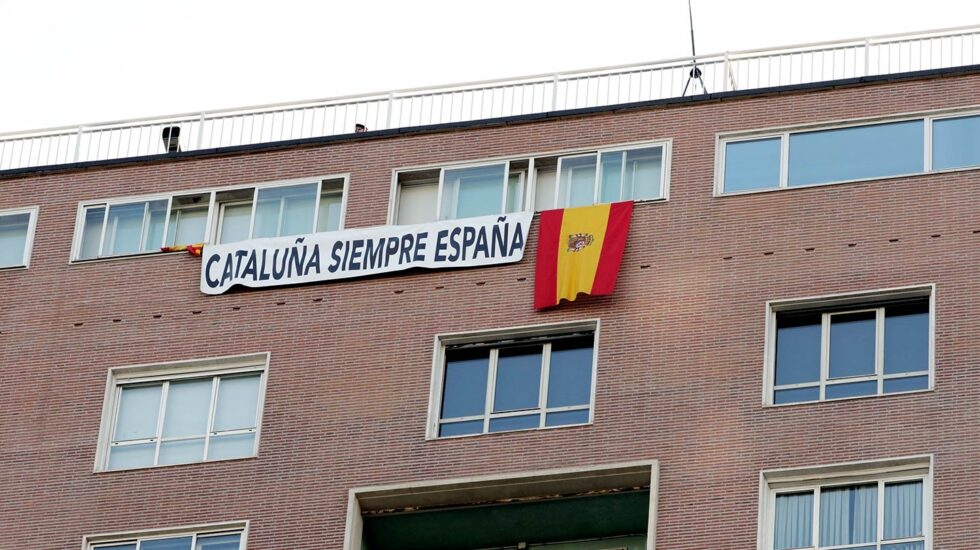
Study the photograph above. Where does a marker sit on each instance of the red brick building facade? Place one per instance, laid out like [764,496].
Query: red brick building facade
[680,376]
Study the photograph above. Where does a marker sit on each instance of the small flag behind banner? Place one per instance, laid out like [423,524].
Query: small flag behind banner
[579,251]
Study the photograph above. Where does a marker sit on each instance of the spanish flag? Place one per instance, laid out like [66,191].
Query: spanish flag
[579,250]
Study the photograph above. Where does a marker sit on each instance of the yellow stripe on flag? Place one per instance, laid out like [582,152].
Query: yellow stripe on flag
[577,268]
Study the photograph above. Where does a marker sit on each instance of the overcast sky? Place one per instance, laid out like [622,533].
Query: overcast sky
[67,62]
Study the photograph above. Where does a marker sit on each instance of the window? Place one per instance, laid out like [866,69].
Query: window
[516,381]
[463,192]
[610,176]
[851,346]
[185,412]
[127,227]
[596,507]
[872,506]
[222,537]
[16,236]
[856,152]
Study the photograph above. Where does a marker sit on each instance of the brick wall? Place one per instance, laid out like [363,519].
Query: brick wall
[681,347]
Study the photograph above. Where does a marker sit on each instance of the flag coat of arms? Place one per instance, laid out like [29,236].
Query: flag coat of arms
[579,251]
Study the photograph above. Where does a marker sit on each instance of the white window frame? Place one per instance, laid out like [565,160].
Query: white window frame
[442,183]
[212,225]
[796,480]
[837,304]
[783,133]
[110,540]
[442,341]
[118,377]
[596,185]
[29,240]
[530,183]
[446,491]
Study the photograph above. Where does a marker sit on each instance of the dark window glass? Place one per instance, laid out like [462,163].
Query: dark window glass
[220,542]
[853,389]
[797,395]
[752,164]
[179,543]
[510,423]
[907,338]
[565,418]
[465,388]
[852,344]
[468,427]
[570,379]
[913,383]
[878,150]
[956,142]
[797,348]
[518,379]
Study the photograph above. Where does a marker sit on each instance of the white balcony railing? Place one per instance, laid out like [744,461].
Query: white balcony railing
[723,72]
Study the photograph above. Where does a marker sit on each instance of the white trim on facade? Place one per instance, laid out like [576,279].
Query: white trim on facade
[232,527]
[33,211]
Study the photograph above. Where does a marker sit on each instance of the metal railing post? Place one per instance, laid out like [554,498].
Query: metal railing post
[391,103]
[200,131]
[554,91]
[78,143]
[867,56]
[724,77]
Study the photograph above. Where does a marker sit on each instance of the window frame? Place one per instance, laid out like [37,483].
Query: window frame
[212,224]
[440,189]
[530,178]
[442,341]
[119,377]
[843,303]
[109,541]
[783,133]
[798,480]
[33,212]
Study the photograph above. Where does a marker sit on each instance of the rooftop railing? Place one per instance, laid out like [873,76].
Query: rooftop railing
[723,72]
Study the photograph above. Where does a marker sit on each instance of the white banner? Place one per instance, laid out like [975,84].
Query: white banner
[277,261]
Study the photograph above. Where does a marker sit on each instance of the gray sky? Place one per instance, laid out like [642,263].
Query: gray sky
[67,62]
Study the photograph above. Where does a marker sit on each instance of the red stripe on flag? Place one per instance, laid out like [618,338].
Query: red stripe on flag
[617,228]
[546,270]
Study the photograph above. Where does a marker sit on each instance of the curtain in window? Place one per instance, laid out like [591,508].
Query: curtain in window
[903,510]
[848,515]
[794,521]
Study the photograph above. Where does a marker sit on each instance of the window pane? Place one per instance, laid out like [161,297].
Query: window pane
[188,404]
[91,233]
[544,189]
[417,203]
[794,521]
[328,219]
[515,193]
[122,457]
[576,183]
[465,387]
[570,377]
[231,446]
[182,451]
[187,226]
[219,542]
[642,177]
[914,383]
[848,515]
[469,427]
[234,222]
[238,398]
[124,229]
[956,142]
[13,238]
[468,192]
[854,389]
[518,379]
[903,510]
[138,410]
[854,153]
[797,349]
[905,546]
[907,338]
[566,418]
[611,177]
[178,543]
[514,423]
[852,344]
[117,546]
[798,395]
[282,211]
[154,226]
[752,164]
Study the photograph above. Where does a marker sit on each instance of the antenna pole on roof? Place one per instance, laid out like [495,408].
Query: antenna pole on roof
[695,71]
